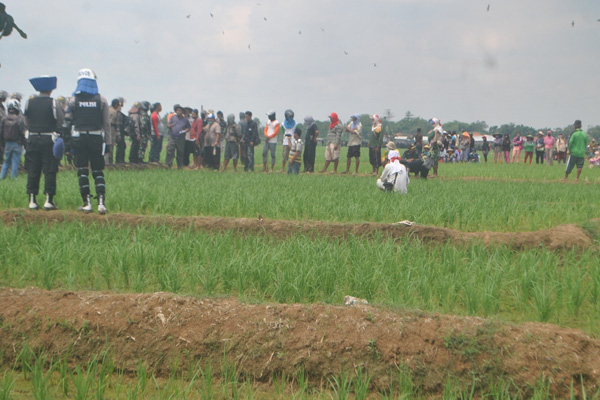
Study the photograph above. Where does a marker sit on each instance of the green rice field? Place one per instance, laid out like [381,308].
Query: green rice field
[495,282]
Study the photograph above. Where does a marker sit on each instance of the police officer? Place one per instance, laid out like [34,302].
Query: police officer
[135,133]
[122,127]
[88,112]
[44,117]
[145,129]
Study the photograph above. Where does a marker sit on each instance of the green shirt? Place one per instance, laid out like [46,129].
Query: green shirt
[376,139]
[528,146]
[577,143]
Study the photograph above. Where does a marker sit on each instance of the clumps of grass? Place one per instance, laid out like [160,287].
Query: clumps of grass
[592,228]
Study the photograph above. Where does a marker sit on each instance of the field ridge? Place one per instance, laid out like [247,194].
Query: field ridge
[562,237]
[266,340]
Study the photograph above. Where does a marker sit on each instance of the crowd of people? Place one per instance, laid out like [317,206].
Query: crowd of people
[90,133]
[546,147]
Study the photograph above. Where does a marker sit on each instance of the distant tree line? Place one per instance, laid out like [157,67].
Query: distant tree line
[409,125]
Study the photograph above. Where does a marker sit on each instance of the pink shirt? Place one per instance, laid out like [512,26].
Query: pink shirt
[518,142]
[549,142]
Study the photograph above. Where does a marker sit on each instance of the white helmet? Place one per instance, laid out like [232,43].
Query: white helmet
[86,73]
[13,104]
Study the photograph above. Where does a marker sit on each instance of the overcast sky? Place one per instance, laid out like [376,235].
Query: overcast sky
[531,62]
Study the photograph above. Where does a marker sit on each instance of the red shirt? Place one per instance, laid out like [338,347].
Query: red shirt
[196,129]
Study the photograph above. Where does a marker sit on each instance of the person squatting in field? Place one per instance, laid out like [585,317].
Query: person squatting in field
[394,177]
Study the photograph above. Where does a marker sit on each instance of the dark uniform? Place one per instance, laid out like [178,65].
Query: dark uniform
[135,134]
[43,117]
[145,130]
[89,115]
[123,132]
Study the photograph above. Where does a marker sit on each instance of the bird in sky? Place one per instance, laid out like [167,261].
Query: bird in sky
[345,52]
[248,47]
[488,7]
[188,16]
[265,18]
[572,24]
[211,15]
[324,29]
[299,32]
[374,64]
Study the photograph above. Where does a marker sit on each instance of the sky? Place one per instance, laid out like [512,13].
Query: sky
[533,62]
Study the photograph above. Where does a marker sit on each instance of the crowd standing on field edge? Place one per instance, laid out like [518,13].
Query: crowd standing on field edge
[89,133]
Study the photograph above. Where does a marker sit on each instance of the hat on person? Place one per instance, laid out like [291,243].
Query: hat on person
[529,136]
[86,82]
[426,146]
[210,116]
[44,83]
[577,123]
[540,133]
[390,145]
[176,106]
[393,154]
[195,111]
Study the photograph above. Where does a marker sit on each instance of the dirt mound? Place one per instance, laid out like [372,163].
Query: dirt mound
[264,341]
[558,238]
